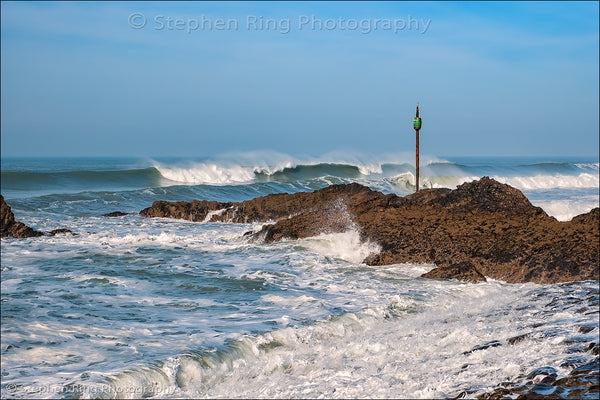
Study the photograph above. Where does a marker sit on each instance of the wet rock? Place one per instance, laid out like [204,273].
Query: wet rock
[540,391]
[542,371]
[519,338]
[581,383]
[586,328]
[481,229]
[461,395]
[61,231]
[115,214]
[493,343]
[586,368]
[463,271]
[573,361]
[11,228]
[577,348]
[192,211]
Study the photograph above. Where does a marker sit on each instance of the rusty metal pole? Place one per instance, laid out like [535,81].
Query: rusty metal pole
[417,160]
[417,126]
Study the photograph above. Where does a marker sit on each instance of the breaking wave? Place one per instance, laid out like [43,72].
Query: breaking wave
[241,176]
[434,173]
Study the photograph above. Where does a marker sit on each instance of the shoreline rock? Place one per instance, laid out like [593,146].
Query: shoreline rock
[463,271]
[115,214]
[481,228]
[9,227]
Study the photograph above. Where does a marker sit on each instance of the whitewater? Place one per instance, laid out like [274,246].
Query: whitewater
[130,307]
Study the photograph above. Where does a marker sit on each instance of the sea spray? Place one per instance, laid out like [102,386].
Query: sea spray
[346,246]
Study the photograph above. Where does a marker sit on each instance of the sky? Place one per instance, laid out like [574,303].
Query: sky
[198,79]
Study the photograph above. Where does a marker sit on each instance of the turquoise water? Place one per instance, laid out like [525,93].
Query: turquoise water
[131,307]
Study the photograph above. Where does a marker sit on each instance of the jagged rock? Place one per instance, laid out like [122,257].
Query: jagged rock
[482,228]
[16,229]
[272,207]
[192,211]
[11,228]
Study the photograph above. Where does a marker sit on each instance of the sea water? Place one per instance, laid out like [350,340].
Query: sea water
[130,307]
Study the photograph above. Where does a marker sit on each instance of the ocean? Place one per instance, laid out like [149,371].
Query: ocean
[130,307]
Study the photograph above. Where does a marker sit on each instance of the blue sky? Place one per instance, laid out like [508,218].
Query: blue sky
[198,79]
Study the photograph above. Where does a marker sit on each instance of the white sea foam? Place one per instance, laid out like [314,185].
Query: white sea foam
[293,301]
[226,169]
[450,182]
[10,285]
[565,210]
[537,182]
[210,214]
[558,181]
[208,173]
[456,341]
[346,246]
[589,166]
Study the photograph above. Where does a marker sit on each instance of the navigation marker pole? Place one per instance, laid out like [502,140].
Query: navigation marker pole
[417,126]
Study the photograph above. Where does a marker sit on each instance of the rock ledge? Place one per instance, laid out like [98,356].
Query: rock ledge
[481,228]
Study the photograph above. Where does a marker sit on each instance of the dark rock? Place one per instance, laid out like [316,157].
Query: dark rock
[573,361]
[482,228]
[581,383]
[493,343]
[11,228]
[519,338]
[586,328]
[62,231]
[16,229]
[586,368]
[543,389]
[463,271]
[195,210]
[488,195]
[542,371]
[115,214]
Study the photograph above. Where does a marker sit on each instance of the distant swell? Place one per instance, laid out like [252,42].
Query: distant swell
[247,175]
[83,179]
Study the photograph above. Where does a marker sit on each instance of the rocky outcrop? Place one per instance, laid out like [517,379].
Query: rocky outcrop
[9,227]
[482,228]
